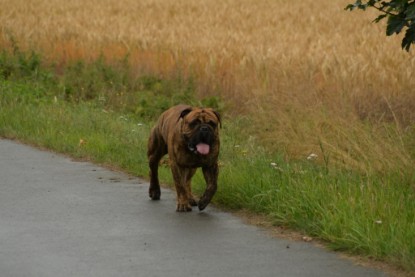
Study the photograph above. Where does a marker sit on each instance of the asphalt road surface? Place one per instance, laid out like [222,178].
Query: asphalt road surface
[59,217]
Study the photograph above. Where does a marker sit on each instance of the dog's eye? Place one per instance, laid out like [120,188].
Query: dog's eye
[194,123]
[212,124]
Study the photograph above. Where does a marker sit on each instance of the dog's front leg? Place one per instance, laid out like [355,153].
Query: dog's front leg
[211,177]
[180,176]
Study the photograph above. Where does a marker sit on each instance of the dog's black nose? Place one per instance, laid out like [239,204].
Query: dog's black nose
[204,129]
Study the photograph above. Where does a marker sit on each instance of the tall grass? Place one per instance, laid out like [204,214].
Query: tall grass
[314,78]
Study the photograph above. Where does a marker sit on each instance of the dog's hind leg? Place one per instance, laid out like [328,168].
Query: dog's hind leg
[157,148]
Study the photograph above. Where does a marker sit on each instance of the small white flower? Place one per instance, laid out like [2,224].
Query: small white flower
[312,157]
[140,124]
[378,221]
[275,166]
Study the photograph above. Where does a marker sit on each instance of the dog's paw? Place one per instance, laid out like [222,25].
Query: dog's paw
[202,204]
[154,194]
[183,208]
[192,202]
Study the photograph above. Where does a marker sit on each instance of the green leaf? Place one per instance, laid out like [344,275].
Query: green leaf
[409,37]
[350,7]
[358,4]
[410,12]
[372,2]
[380,17]
[395,24]
[398,4]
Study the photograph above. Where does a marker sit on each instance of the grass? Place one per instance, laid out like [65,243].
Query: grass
[361,212]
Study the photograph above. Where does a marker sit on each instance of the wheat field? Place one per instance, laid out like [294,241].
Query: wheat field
[311,77]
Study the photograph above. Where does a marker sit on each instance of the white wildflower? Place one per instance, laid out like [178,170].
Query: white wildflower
[312,157]
[275,166]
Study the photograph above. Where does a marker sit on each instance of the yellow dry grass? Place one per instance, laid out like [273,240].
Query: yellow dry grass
[313,77]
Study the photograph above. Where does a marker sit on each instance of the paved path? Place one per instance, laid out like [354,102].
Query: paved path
[64,218]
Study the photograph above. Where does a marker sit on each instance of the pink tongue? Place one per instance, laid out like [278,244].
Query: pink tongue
[203,148]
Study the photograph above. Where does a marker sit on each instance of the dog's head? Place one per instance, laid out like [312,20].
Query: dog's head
[200,129]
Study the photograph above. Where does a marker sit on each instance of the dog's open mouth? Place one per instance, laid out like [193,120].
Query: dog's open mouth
[200,148]
[203,148]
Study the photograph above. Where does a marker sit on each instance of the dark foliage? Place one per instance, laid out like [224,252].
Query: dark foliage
[399,13]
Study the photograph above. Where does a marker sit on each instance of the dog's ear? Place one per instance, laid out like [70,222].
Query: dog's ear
[185,112]
[218,116]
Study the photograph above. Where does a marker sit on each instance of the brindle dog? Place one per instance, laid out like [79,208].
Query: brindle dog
[190,136]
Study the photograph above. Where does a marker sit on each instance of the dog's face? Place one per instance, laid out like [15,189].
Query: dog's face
[200,129]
